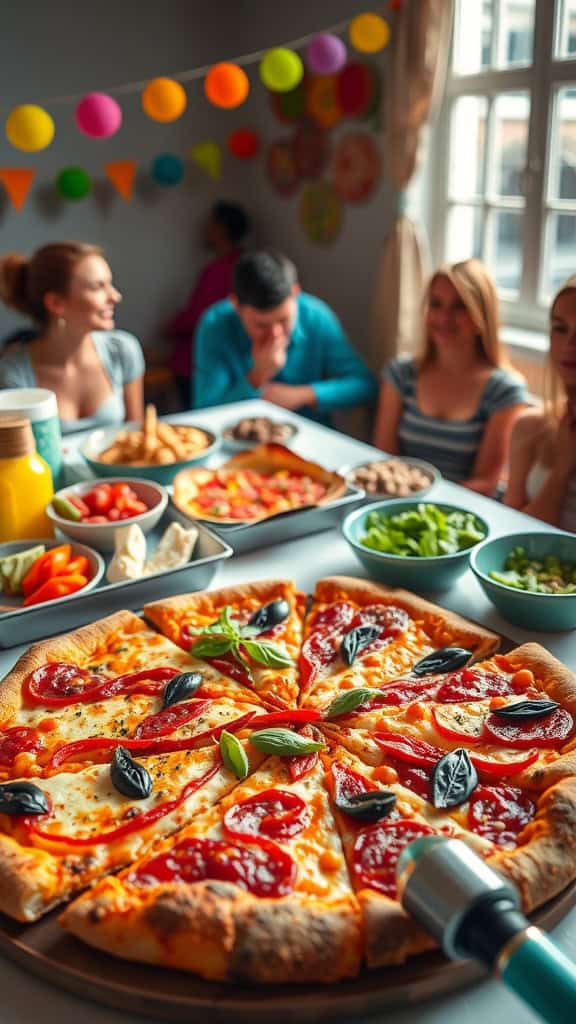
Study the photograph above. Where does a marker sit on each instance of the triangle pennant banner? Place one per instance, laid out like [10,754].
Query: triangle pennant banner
[17,182]
[121,173]
[208,156]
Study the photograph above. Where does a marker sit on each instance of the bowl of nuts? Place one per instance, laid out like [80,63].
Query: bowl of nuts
[253,430]
[393,477]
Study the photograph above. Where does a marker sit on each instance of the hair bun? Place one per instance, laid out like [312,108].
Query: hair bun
[14,282]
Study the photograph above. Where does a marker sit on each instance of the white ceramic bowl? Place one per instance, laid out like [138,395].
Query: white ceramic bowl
[95,561]
[101,535]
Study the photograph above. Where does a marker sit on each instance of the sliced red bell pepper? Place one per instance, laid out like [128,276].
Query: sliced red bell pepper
[78,566]
[57,586]
[297,715]
[51,563]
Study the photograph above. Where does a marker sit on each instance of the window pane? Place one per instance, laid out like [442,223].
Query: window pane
[516,31]
[472,36]
[566,30]
[463,233]
[562,183]
[467,144]
[561,251]
[511,112]
[504,248]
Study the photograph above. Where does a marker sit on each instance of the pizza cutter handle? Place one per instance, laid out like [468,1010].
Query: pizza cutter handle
[537,971]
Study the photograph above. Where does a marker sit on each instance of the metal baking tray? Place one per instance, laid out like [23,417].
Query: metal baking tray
[27,624]
[300,522]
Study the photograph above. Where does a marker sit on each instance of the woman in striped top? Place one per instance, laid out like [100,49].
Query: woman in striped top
[455,403]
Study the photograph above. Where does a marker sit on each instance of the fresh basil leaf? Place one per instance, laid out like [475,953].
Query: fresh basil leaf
[211,647]
[371,806]
[454,778]
[446,659]
[356,640]
[269,615]
[181,687]
[128,776]
[283,742]
[524,710]
[233,755]
[266,653]
[350,700]
[22,798]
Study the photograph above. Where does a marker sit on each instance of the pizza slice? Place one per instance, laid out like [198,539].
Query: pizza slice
[57,834]
[360,633]
[256,889]
[251,633]
[115,678]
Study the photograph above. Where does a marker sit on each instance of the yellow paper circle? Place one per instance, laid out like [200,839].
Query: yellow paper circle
[164,100]
[281,70]
[369,33]
[226,85]
[29,128]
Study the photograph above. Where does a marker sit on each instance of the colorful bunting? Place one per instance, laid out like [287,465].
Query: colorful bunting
[17,182]
[208,156]
[122,173]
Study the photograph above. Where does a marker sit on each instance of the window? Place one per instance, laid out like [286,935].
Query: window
[505,153]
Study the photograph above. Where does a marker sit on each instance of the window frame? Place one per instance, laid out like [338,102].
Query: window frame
[543,78]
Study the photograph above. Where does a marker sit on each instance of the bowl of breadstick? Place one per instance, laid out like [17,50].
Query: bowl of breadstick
[152,450]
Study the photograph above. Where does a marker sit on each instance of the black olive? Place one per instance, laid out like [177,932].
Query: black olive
[182,687]
[270,615]
[523,710]
[447,659]
[454,778]
[371,806]
[128,776]
[22,798]
[356,640]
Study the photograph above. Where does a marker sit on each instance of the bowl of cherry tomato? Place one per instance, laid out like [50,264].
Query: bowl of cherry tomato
[92,511]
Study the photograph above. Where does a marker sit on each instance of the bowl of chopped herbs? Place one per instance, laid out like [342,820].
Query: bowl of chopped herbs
[419,545]
[530,578]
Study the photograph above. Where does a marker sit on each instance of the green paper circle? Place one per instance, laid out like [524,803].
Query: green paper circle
[73,183]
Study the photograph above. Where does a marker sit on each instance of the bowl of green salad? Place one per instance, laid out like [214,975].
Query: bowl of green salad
[414,544]
[530,578]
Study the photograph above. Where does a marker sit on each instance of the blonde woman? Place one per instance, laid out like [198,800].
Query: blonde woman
[543,452]
[455,403]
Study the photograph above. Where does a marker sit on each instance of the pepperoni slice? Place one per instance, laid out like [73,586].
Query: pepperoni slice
[413,778]
[273,813]
[411,751]
[263,869]
[551,731]
[473,684]
[303,764]
[404,691]
[390,620]
[321,646]
[169,719]
[347,782]
[499,813]
[376,851]
[18,740]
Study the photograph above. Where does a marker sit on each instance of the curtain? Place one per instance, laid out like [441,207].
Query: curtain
[416,75]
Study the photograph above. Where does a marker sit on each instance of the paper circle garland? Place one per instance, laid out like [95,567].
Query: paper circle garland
[73,183]
[320,212]
[244,144]
[322,102]
[289,107]
[311,148]
[29,128]
[357,89]
[369,33]
[356,167]
[98,115]
[325,54]
[164,100]
[167,169]
[226,85]
[281,167]
[281,69]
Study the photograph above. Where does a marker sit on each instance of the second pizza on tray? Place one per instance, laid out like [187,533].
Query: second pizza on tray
[252,764]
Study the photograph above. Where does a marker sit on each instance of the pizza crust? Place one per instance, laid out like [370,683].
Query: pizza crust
[221,932]
[75,648]
[482,642]
[164,614]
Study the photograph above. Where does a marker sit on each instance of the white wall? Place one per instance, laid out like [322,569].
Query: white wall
[61,48]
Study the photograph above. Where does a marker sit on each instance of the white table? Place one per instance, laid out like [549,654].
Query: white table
[26,999]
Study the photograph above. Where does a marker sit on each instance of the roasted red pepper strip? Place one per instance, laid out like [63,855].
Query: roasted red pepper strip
[160,745]
[169,719]
[51,685]
[138,822]
[298,715]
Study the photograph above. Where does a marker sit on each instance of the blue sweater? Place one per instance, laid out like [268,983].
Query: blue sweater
[319,354]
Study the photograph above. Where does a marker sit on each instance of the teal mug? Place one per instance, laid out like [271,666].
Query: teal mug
[40,407]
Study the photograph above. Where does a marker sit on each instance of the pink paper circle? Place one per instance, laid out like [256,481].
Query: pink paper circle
[325,54]
[98,115]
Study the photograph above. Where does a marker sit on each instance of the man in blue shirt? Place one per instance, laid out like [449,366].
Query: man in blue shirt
[272,341]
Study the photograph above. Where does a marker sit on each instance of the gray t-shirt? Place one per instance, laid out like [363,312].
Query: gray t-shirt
[122,359]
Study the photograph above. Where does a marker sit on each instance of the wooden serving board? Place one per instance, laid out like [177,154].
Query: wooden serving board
[47,951]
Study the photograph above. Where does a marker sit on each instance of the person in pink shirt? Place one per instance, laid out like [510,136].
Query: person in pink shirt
[224,233]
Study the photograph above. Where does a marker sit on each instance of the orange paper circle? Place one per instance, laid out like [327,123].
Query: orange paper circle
[322,103]
[226,85]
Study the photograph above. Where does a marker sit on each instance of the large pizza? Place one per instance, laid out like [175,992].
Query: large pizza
[225,787]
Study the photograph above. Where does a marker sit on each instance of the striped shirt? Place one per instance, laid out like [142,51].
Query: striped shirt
[451,445]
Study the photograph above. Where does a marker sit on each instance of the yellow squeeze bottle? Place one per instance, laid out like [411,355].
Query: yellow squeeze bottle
[25,483]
